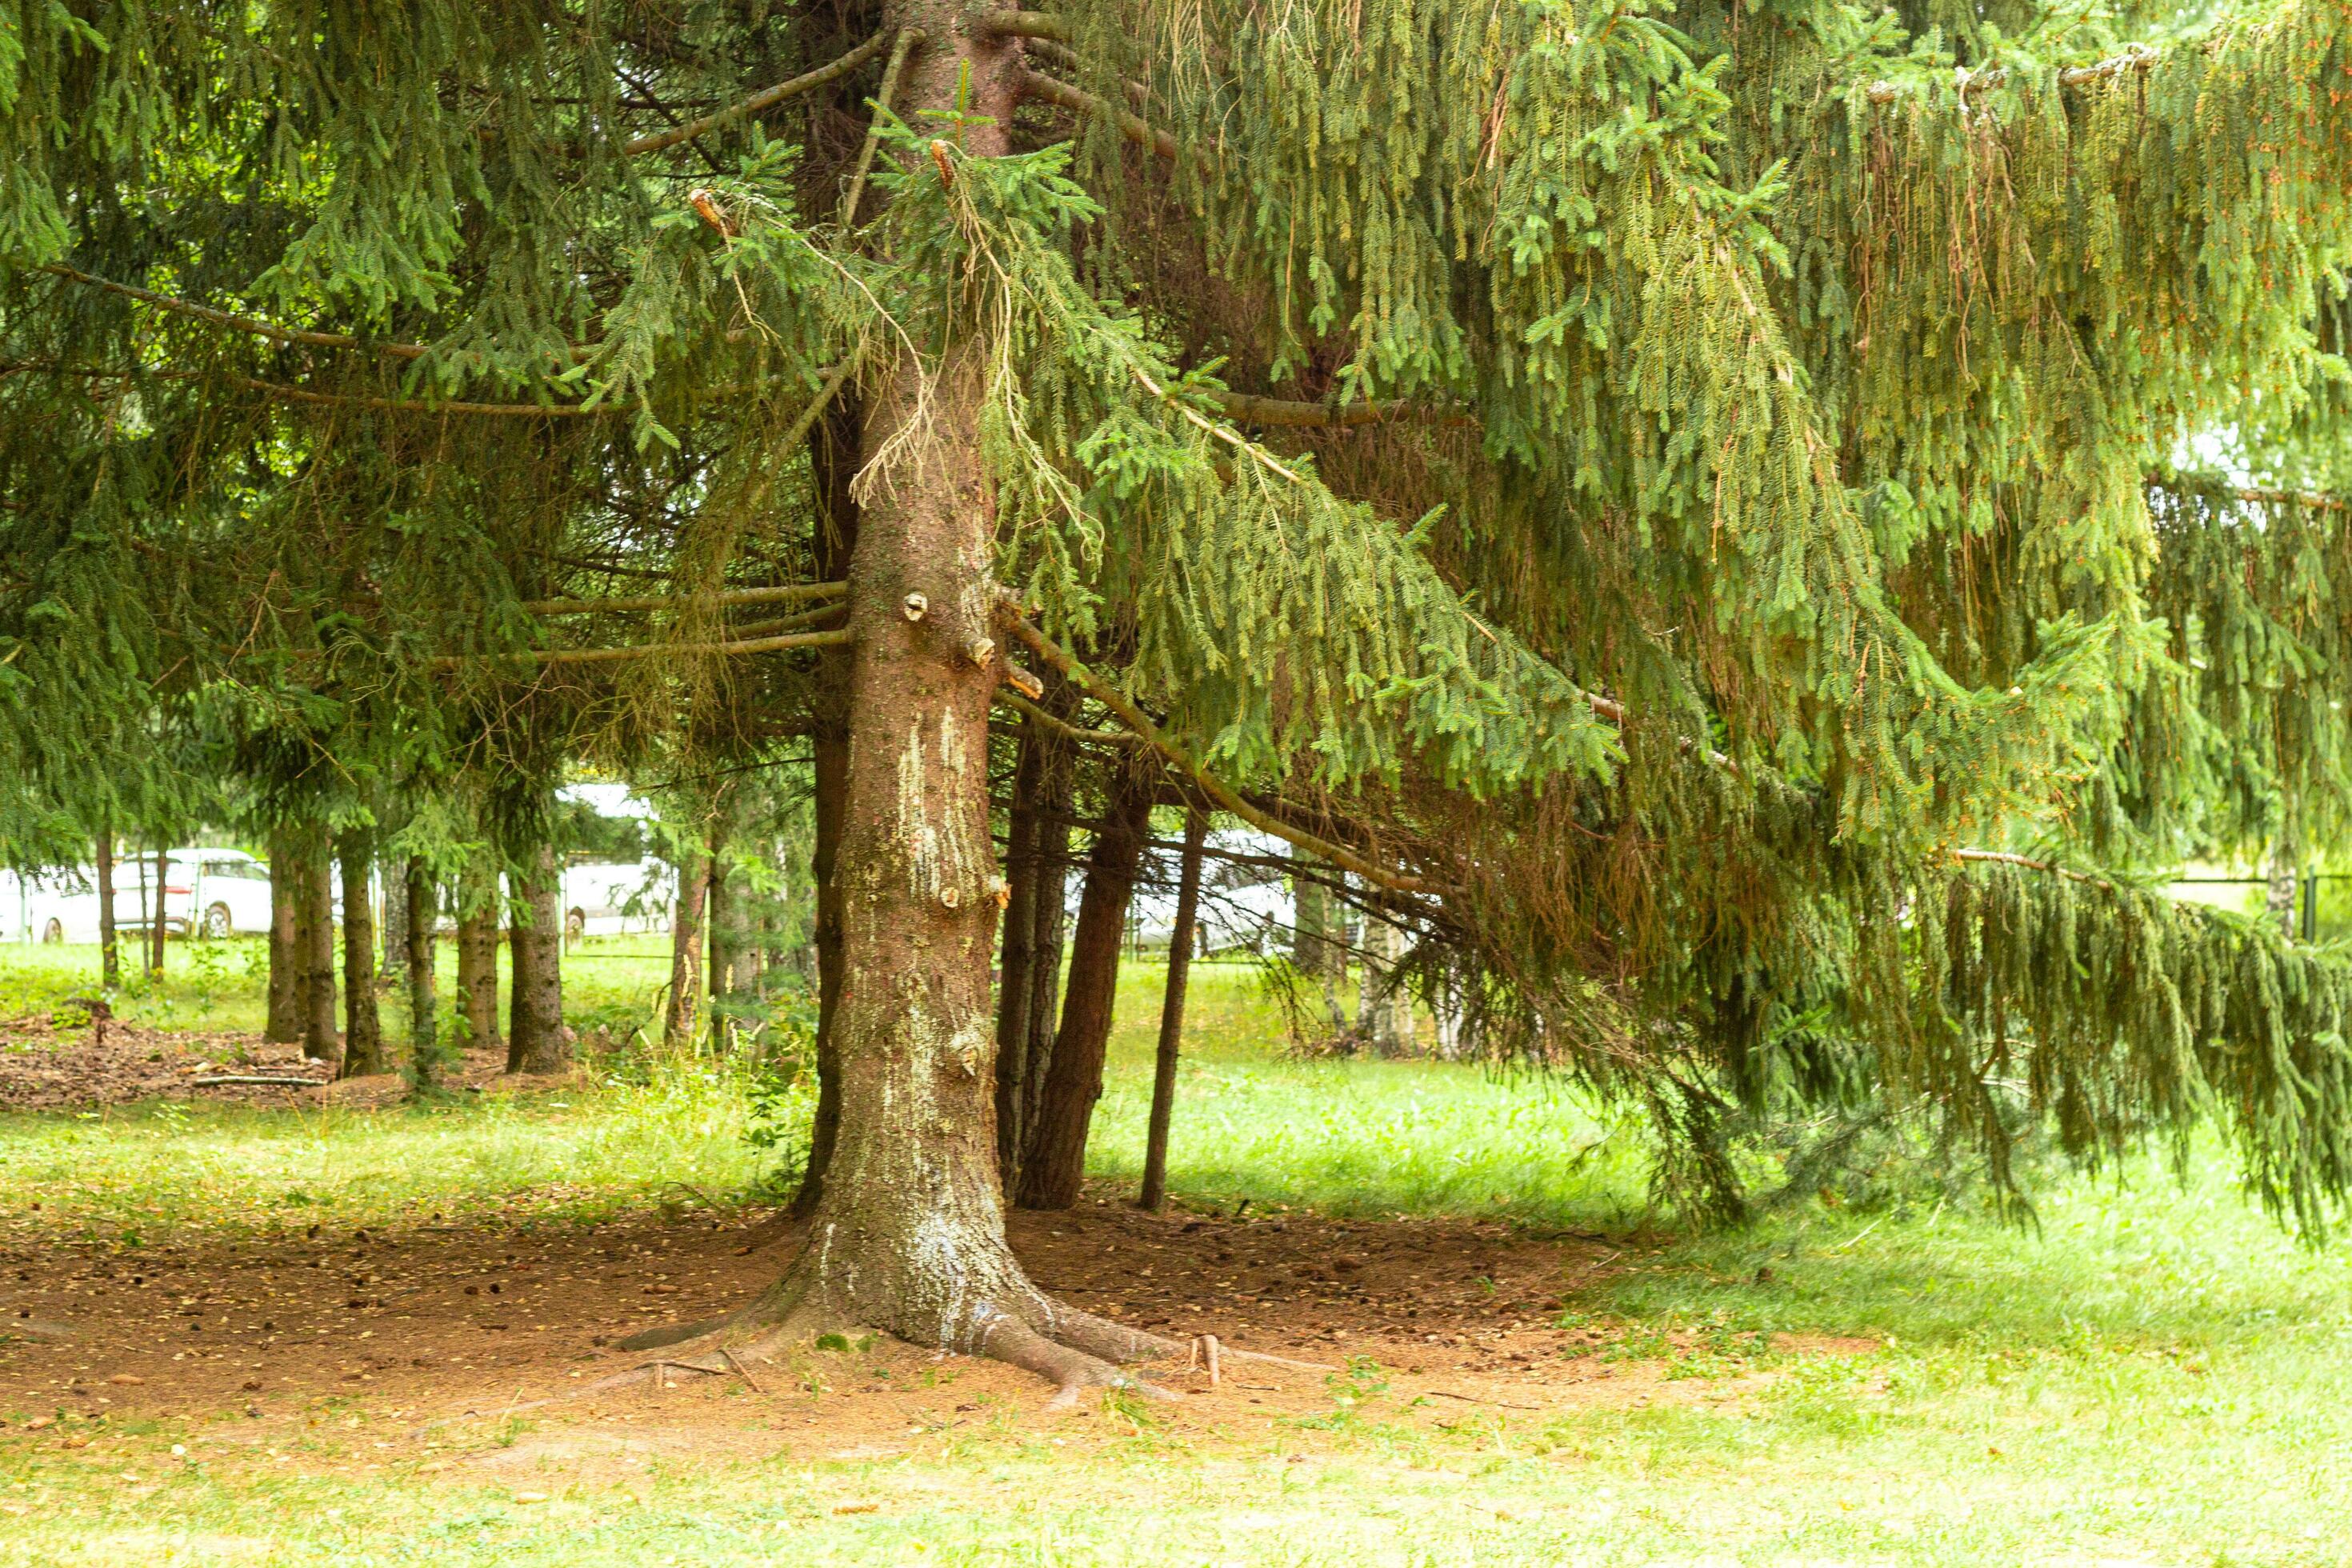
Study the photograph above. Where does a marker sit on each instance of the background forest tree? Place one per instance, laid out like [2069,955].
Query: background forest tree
[1681,510]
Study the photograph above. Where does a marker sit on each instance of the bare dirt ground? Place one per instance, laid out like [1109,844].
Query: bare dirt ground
[417,1344]
[70,1063]
[366,1347]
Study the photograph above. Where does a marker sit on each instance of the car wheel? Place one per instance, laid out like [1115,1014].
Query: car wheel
[216,923]
[576,925]
[54,932]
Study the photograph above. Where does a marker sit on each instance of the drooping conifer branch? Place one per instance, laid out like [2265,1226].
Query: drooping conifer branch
[1226,798]
[1021,24]
[779,593]
[767,99]
[837,637]
[1125,739]
[1135,128]
[270,329]
[304,395]
[1964,82]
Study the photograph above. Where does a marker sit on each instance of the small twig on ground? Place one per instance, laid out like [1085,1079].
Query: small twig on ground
[1207,1345]
[697,1191]
[215,1080]
[1281,1361]
[741,1371]
[1480,1399]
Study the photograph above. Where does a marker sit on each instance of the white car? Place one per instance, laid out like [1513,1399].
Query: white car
[206,893]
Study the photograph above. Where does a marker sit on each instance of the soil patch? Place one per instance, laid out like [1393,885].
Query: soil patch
[392,1335]
[68,1062]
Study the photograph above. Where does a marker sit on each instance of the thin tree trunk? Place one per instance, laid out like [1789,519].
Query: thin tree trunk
[284,1026]
[110,952]
[1315,952]
[2279,896]
[1017,960]
[158,927]
[419,908]
[535,1042]
[138,869]
[362,1021]
[723,919]
[1053,923]
[833,452]
[478,918]
[394,965]
[685,956]
[1154,1196]
[320,1042]
[1052,1165]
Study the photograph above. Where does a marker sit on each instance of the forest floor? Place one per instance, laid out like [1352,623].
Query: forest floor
[335,1327]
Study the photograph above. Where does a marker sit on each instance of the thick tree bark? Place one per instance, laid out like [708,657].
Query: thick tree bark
[1052,1163]
[319,1040]
[833,451]
[419,908]
[110,950]
[478,918]
[908,1235]
[684,1006]
[284,1025]
[535,1042]
[1171,1016]
[362,1021]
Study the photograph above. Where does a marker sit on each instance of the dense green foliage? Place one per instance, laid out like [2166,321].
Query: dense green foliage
[1728,468]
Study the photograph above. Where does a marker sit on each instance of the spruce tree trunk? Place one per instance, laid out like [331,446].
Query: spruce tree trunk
[1052,1163]
[110,950]
[908,1235]
[684,1007]
[420,907]
[362,1020]
[833,452]
[1154,1196]
[319,1040]
[535,1042]
[479,919]
[284,1023]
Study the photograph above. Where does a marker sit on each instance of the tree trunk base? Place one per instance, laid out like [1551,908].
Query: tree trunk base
[1014,1322]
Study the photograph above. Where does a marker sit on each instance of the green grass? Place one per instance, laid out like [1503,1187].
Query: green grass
[2154,1376]
[206,985]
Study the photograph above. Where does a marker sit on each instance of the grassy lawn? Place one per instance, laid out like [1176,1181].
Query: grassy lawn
[2154,1376]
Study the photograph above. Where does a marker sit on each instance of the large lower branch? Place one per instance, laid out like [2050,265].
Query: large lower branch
[1226,799]
[766,98]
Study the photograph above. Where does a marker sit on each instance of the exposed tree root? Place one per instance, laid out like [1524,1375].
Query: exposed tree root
[1071,1350]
